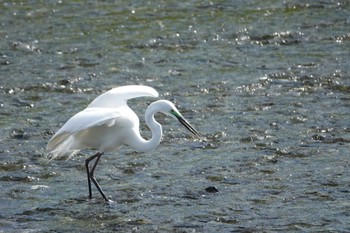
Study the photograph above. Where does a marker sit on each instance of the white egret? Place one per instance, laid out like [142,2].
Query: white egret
[108,123]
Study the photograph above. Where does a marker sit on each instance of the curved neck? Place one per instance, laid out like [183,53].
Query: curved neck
[147,145]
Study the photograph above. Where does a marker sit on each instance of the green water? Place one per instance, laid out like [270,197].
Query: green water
[267,83]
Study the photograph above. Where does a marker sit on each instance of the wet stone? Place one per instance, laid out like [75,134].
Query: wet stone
[19,134]
[211,189]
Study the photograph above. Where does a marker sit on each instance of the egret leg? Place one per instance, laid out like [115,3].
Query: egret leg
[90,174]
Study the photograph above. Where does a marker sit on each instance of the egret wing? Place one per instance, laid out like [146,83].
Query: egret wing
[90,117]
[118,96]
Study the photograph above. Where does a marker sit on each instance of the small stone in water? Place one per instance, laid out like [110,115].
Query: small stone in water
[212,189]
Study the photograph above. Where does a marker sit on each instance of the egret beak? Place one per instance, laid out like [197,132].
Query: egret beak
[185,123]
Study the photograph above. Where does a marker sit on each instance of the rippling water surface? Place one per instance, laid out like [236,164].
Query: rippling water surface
[266,82]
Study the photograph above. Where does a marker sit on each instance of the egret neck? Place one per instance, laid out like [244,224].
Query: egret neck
[138,142]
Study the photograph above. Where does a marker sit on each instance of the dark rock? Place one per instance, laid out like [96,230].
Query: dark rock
[212,189]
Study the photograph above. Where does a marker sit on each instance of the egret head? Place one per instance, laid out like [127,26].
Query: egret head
[169,109]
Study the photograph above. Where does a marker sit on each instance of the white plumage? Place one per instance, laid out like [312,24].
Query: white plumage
[108,123]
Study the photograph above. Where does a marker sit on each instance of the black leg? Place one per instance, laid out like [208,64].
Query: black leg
[87,161]
[90,174]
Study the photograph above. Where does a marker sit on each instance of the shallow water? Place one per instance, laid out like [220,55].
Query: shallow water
[266,83]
